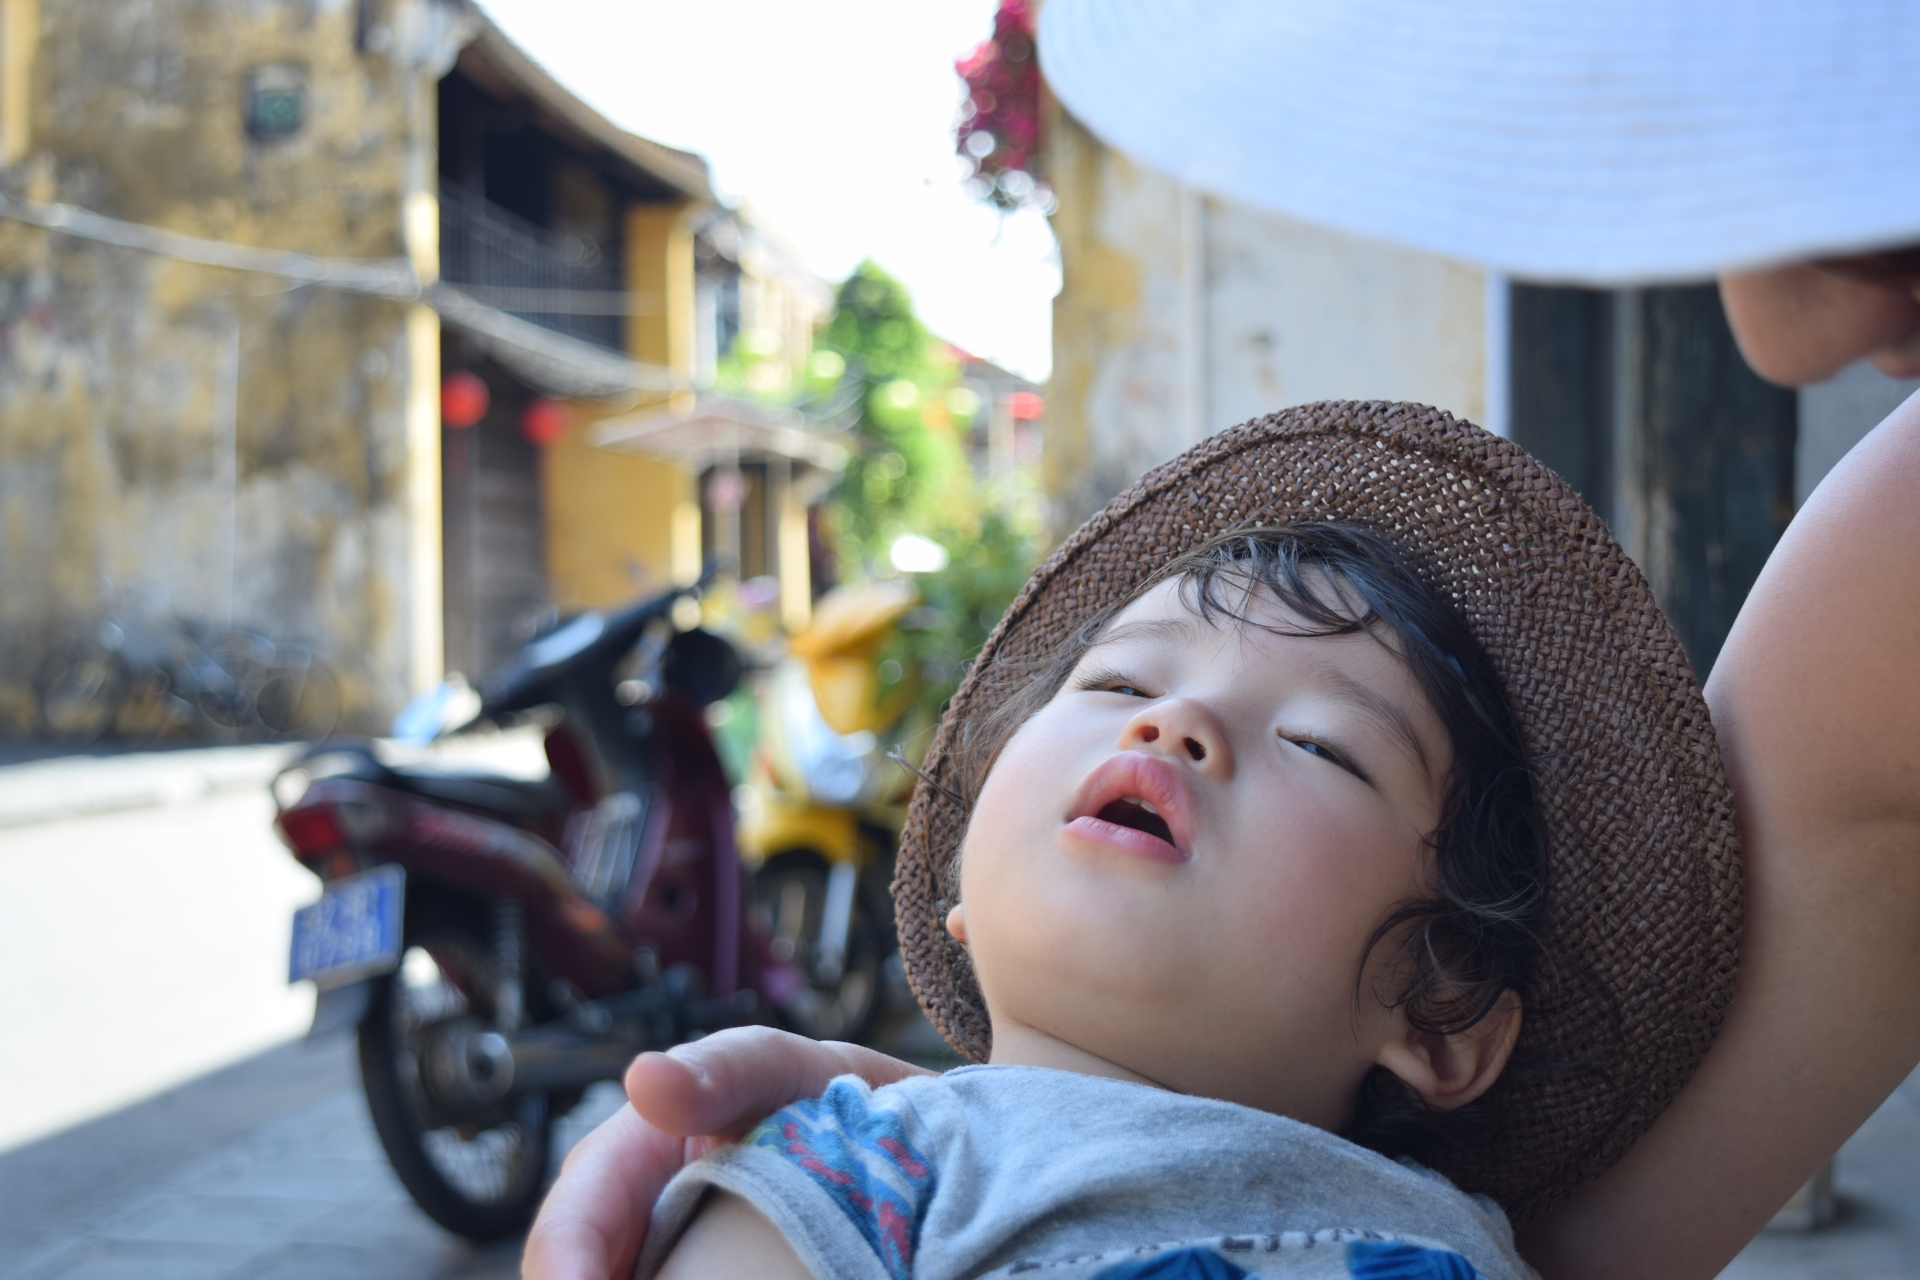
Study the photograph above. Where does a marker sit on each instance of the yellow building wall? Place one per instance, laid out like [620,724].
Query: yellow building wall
[1181,314]
[659,264]
[223,441]
[609,522]
[610,515]
[19,35]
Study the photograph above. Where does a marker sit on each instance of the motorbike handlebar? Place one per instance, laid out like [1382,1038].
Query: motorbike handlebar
[535,674]
[624,628]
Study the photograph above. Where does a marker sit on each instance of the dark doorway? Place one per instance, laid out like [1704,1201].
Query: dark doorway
[1641,401]
[493,521]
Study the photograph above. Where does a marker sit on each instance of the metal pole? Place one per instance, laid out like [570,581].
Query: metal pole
[227,413]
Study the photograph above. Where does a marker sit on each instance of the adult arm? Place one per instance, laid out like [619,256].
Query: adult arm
[1816,701]
[682,1104]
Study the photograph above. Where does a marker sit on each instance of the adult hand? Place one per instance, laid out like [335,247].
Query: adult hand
[681,1104]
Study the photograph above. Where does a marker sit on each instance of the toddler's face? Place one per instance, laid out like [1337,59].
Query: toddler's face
[1176,865]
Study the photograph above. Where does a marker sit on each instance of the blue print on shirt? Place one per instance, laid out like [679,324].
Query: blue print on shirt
[858,1154]
[1386,1260]
[1180,1264]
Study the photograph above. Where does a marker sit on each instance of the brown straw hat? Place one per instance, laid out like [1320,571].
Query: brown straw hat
[1644,890]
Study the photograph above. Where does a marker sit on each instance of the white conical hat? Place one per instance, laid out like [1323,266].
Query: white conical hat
[1603,141]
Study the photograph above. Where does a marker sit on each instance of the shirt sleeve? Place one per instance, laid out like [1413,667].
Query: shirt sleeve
[838,1176]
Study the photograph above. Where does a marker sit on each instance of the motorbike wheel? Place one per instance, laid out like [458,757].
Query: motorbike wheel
[790,892]
[227,672]
[299,698]
[477,1172]
[150,710]
[79,690]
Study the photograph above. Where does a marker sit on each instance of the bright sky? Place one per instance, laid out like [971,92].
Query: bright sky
[834,118]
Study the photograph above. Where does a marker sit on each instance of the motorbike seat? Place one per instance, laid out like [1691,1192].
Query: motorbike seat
[541,802]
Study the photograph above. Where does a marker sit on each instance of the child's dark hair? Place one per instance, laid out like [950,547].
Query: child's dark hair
[1475,936]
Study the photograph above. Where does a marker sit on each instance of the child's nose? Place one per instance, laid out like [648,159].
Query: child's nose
[1181,726]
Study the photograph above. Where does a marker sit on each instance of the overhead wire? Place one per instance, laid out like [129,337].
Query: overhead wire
[562,364]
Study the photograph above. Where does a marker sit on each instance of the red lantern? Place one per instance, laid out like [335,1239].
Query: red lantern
[463,399]
[544,422]
[1025,405]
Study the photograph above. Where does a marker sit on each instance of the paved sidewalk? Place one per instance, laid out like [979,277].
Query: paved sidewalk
[1876,1235]
[306,1195]
[77,785]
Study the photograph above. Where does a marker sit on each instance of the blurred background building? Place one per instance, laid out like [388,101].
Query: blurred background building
[311,313]
[347,325]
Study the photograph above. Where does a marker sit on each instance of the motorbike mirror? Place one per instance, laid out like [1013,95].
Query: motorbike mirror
[702,666]
[564,642]
[449,706]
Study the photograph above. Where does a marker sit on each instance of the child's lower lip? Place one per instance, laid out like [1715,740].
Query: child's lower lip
[1112,835]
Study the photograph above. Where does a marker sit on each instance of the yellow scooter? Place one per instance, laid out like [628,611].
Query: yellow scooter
[821,818]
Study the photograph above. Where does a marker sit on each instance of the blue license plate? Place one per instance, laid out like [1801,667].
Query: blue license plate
[352,932]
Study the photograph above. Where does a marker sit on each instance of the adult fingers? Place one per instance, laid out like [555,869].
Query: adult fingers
[724,1084]
[595,1217]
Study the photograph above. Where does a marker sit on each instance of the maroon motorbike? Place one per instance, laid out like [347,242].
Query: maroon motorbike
[500,943]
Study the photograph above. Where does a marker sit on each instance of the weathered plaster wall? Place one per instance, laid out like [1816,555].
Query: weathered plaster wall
[236,443]
[1181,314]
[1295,313]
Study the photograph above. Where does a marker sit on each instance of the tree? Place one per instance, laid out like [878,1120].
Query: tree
[906,462]
[909,475]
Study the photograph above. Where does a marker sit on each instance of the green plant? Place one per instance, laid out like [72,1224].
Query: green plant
[907,464]
[909,474]
[992,553]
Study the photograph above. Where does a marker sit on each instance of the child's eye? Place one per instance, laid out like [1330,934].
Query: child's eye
[1111,682]
[1326,753]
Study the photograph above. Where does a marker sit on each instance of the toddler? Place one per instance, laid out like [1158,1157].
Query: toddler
[1245,877]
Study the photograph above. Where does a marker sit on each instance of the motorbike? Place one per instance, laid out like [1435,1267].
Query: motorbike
[500,944]
[821,821]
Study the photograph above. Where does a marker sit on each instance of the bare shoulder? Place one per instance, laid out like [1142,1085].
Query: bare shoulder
[730,1238]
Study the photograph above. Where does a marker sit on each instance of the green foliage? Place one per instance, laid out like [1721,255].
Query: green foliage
[873,321]
[909,474]
[992,551]
[907,464]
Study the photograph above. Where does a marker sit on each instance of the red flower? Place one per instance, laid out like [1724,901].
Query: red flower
[999,128]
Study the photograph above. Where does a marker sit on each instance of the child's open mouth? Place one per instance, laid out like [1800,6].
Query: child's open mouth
[1137,804]
[1138,814]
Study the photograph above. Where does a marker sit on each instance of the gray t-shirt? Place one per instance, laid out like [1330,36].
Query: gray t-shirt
[992,1171]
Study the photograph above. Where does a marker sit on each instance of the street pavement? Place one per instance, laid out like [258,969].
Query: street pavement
[268,1170]
[159,1117]
[1876,1232]
[145,913]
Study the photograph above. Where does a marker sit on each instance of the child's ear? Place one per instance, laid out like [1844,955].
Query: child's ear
[957,923]
[1451,1071]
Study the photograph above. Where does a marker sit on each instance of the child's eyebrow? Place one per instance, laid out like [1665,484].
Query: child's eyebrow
[1375,706]
[1177,630]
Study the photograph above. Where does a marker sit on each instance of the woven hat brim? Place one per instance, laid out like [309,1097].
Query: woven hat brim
[1636,141]
[1644,880]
